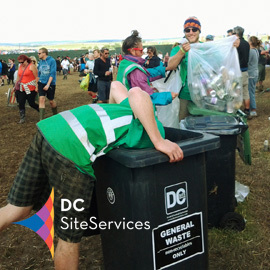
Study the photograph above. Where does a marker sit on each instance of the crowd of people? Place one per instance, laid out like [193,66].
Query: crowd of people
[253,57]
[76,142]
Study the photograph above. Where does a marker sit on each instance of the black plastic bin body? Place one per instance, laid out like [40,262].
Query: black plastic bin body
[166,201]
[220,175]
[220,167]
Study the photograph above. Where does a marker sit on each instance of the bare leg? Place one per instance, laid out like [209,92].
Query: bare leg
[42,102]
[67,256]
[247,104]
[11,213]
[53,104]
[118,92]
[142,107]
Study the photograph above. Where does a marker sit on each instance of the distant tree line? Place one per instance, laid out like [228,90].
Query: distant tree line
[77,53]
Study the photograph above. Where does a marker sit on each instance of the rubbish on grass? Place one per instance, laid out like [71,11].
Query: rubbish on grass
[241,191]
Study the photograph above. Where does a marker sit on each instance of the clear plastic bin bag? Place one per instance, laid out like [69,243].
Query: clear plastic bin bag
[214,75]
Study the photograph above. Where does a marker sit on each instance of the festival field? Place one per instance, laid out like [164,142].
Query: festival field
[22,249]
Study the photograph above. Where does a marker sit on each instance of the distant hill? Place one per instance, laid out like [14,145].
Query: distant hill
[38,43]
[51,43]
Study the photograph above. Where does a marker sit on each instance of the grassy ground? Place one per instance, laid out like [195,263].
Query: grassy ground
[20,248]
[249,249]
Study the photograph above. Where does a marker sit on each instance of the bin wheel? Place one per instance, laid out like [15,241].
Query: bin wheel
[233,221]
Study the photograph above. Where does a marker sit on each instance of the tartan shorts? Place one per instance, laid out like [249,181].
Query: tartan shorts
[43,168]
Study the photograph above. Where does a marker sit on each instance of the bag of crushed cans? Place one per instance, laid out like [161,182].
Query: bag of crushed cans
[214,75]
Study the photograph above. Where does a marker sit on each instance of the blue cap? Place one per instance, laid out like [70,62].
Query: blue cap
[210,37]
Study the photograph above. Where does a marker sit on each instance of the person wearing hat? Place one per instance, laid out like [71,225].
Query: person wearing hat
[209,38]
[179,55]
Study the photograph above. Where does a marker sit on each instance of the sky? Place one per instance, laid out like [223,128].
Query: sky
[57,20]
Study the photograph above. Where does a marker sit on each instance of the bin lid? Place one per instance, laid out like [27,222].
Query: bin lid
[191,143]
[211,122]
[215,124]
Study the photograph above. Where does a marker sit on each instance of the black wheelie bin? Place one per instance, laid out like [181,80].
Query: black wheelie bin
[152,213]
[220,167]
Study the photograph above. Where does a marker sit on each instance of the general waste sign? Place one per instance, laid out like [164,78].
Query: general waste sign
[176,241]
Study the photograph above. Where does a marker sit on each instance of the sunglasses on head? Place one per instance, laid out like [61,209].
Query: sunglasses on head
[194,30]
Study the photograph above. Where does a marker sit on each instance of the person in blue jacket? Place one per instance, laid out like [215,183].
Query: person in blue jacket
[46,81]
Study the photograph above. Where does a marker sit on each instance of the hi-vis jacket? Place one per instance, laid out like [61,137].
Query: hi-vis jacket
[126,67]
[87,132]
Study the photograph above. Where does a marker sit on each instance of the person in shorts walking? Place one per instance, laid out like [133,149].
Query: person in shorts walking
[46,81]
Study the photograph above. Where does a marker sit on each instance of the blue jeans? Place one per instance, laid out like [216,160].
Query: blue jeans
[251,89]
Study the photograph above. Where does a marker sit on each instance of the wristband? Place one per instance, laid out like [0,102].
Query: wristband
[182,50]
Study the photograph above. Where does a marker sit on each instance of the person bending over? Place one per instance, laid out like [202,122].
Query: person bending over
[61,156]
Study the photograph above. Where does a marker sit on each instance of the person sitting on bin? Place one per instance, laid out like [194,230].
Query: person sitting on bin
[61,156]
[133,73]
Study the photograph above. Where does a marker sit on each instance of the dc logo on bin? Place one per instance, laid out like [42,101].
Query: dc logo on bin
[110,195]
[176,198]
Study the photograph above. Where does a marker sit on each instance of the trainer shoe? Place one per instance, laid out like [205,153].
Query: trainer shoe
[253,114]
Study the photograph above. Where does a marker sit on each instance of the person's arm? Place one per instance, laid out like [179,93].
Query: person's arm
[139,79]
[52,73]
[47,86]
[176,59]
[163,98]
[236,43]
[156,73]
[33,68]
[108,63]
[38,74]
[142,108]
[17,78]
